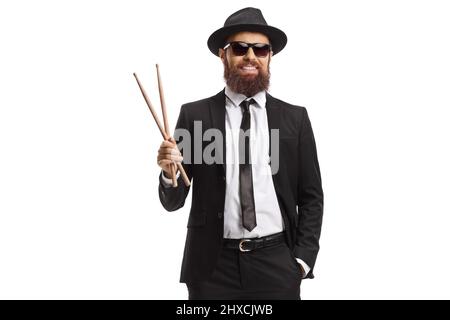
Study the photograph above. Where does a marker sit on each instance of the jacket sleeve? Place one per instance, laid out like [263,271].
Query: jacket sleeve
[310,197]
[173,198]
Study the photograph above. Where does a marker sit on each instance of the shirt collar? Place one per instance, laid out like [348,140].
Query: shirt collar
[237,98]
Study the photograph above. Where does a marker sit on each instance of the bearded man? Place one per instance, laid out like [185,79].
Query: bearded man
[256,214]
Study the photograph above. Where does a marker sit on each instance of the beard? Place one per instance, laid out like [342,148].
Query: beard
[246,85]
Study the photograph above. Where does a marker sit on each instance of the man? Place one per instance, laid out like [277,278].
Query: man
[256,215]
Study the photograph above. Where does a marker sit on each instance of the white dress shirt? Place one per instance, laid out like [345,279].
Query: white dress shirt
[268,214]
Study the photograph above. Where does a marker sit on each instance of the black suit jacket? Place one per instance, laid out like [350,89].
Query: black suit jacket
[297,184]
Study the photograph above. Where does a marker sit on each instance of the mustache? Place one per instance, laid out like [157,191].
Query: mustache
[245,64]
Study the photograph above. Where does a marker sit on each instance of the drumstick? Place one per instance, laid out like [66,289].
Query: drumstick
[166,126]
[166,122]
[158,123]
[149,104]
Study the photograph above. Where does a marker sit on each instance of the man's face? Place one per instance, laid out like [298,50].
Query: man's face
[247,74]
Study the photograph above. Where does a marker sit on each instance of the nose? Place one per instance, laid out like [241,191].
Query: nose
[250,55]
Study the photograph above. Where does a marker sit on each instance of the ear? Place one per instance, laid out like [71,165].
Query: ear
[222,54]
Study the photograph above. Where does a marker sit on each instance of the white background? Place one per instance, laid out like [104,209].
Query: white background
[80,216]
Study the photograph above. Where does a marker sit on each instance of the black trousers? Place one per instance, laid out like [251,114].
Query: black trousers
[270,273]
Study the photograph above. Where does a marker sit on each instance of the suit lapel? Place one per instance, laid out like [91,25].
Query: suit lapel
[273,119]
[217,112]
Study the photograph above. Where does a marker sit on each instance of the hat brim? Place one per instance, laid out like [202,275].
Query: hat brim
[218,38]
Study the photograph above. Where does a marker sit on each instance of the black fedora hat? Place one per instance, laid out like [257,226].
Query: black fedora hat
[247,19]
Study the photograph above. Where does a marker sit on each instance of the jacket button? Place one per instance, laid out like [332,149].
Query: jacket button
[220,215]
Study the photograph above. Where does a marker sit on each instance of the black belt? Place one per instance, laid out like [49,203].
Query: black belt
[245,245]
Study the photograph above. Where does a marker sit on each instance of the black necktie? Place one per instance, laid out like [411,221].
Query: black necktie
[245,170]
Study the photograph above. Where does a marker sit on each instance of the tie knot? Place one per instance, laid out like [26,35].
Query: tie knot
[246,104]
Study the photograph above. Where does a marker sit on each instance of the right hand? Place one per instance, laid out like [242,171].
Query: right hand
[168,154]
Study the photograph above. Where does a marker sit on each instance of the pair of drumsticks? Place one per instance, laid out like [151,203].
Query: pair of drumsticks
[165,132]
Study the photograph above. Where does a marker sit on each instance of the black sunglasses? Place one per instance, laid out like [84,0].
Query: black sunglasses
[260,50]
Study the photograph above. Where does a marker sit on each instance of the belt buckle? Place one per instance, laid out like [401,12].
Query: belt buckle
[241,244]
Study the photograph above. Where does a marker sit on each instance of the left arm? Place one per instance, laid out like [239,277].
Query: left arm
[310,198]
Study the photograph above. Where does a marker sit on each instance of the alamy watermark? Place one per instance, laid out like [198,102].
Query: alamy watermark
[212,152]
